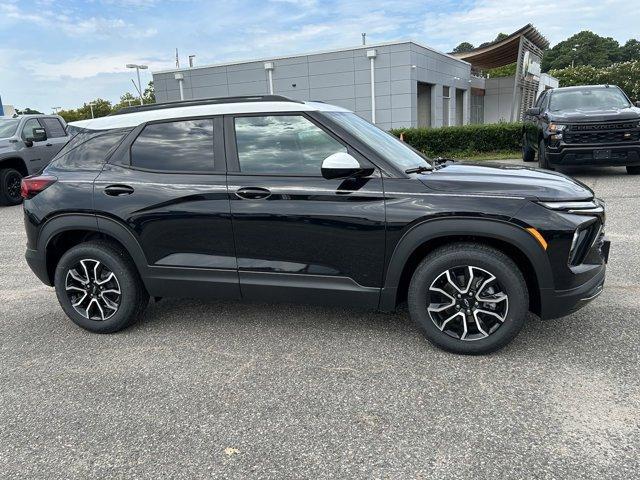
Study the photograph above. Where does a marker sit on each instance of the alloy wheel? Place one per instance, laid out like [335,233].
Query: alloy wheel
[93,290]
[467,303]
[13,185]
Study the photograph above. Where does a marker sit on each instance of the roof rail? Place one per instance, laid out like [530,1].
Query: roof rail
[204,101]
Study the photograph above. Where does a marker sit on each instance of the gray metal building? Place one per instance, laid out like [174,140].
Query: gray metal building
[397,84]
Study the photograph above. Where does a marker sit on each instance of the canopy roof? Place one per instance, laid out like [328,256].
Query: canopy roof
[505,51]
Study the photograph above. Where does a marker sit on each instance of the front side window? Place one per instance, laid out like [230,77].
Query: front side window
[181,146]
[53,127]
[283,145]
[88,149]
[27,129]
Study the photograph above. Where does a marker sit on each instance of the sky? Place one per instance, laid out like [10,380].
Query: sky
[67,52]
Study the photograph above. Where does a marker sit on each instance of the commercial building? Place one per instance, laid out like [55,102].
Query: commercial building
[395,84]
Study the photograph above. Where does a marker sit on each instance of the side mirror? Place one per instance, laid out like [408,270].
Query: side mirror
[342,165]
[534,111]
[638,104]
[39,134]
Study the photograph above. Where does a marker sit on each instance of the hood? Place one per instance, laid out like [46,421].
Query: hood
[509,180]
[5,144]
[591,116]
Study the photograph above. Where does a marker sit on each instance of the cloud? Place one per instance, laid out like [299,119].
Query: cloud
[88,66]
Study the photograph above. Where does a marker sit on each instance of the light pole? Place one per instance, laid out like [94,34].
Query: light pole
[91,104]
[55,110]
[138,68]
[180,78]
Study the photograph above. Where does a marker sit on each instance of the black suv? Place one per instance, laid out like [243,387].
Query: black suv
[269,199]
[590,125]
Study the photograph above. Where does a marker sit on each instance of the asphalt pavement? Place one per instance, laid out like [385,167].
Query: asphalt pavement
[230,390]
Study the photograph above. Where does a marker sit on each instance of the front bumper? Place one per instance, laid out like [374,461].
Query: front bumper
[558,303]
[602,155]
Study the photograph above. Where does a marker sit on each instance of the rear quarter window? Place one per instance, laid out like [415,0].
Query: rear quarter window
[88,149]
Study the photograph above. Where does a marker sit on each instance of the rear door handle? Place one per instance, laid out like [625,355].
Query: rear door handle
[118,190]
[253,193]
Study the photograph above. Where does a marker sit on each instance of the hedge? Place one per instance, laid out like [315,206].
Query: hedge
[464,139]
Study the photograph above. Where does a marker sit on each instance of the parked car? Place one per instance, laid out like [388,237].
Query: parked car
[589,125]
[27,144]
[270,199]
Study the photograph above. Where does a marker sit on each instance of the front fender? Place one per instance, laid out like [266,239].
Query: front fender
[430,230]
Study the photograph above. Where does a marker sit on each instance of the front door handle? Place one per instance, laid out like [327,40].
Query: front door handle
[118,190]
[253,193]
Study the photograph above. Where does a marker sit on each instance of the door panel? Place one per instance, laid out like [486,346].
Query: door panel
[37,155]
[307,236]
[182,221]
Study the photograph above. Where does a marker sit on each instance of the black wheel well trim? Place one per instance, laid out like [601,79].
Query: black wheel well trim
[90,224]
[16,163]
[436,232]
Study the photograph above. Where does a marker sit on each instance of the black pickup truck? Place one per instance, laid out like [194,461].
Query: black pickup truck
[586,125]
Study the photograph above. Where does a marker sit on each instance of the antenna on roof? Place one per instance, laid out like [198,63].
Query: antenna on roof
[364,39]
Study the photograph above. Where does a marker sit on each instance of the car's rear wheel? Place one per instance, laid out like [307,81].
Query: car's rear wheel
[543,160]
[633,170]
[528,154]
[99,288]
[10,180]
[468,298]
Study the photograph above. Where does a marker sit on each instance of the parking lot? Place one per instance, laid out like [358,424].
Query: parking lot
[230,390]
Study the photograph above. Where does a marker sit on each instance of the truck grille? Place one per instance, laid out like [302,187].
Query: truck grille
[601,137]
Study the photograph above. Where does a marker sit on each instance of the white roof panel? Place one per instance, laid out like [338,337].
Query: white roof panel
[129,120]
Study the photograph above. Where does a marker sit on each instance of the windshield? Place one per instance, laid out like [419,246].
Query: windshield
[8,127]
[386,145]
[588,99]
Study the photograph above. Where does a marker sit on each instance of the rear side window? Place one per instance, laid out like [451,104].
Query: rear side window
[88,149]
[182,146]
[283,145]
[53,127]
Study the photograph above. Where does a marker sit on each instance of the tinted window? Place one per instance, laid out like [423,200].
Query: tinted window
[283,145]
[88,149]
[54,127]
[29,125]
[185,146]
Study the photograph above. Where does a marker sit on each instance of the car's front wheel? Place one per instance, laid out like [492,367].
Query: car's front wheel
[10,180]
[543,160]
[468,298]
[99,288]
[633,170]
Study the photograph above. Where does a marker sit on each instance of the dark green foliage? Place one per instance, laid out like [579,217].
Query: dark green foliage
[583,48]
[463,48]
[467,139]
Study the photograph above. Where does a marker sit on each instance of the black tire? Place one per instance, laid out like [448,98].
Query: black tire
[543,161]
[528,154]
[633,169]
[509,280]
[131,302]
[10,179]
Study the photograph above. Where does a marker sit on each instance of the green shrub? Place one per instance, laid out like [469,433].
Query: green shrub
[452,141]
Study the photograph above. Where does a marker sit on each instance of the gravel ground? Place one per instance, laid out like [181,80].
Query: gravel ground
[227,390]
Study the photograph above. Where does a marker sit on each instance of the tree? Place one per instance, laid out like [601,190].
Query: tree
[101,108]
[583,48]
[28,111]
[630,51]
[463,48]
[500,36]
[626,75]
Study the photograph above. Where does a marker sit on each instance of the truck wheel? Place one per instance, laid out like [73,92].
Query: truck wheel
[633,170]
[468,298]
[10,187]
[543,161]
[528,155]
[99,288]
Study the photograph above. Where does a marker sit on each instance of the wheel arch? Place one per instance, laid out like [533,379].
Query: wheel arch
[425,237]
[61,233]
[16,163]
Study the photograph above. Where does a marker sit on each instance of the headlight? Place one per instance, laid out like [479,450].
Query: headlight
[556,127]
[589,207]
[583,239]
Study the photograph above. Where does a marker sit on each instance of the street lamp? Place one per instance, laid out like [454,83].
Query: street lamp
[138,68]
[91,104]
[55,110]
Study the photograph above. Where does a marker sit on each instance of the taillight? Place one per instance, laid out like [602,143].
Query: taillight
[31,186]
